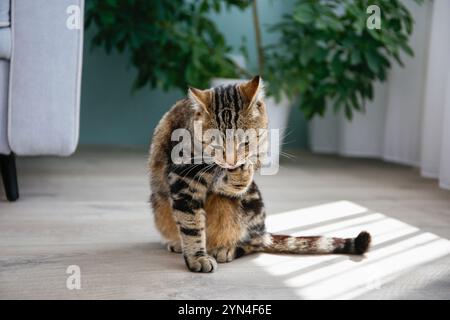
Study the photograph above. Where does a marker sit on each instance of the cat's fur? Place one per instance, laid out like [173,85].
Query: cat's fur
[209,213]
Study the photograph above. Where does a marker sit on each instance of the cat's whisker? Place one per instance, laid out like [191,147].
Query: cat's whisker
[203,171]
[284,153]
[286,142]
[287,133]
[190,168]
[288,155]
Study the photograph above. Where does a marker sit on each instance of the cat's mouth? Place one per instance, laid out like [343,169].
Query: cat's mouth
[228,166]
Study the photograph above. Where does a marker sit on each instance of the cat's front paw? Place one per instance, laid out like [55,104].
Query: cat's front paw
[236,181]
[204,263]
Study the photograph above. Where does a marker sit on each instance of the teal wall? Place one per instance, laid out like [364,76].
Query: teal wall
[112,114]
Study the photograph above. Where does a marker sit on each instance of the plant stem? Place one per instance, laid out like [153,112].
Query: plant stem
[241,70]
[257,29]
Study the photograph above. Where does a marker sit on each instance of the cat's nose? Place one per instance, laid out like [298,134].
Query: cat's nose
[230,163]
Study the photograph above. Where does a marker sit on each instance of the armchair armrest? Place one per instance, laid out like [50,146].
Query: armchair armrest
[45,77]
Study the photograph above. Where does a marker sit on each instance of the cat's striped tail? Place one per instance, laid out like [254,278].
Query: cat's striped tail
[311,245]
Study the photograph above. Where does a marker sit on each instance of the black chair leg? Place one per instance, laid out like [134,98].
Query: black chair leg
[9,175]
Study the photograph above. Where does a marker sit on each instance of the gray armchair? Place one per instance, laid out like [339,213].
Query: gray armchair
[40,75]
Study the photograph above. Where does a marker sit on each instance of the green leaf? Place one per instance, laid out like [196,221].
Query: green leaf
[348,112]
[112,3]
[107,18]
[372,61]
[406,48]
[355,57]
[304,13]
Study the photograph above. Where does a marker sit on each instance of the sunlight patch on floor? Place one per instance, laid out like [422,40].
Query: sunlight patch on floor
[312,215]
[396,247]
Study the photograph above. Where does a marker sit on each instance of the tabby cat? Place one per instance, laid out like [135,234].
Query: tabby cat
[214,212]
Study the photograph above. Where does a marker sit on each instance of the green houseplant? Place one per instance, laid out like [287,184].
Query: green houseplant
[171,43]
[326,52]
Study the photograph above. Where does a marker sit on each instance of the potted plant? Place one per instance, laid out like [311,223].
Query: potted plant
[328,53]
[171,43]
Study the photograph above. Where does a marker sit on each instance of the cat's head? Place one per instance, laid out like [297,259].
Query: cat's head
[233,114]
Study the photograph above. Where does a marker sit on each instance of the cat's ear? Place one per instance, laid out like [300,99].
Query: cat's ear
[253,90]
[201,99]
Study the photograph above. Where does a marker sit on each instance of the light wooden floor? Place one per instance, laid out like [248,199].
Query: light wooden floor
[91,210]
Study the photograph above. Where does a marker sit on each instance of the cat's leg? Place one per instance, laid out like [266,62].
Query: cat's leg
[165,222]
[188,196]
[253,218]
[235,200]
[223,228]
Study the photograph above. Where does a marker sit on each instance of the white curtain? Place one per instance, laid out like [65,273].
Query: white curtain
[408,121]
